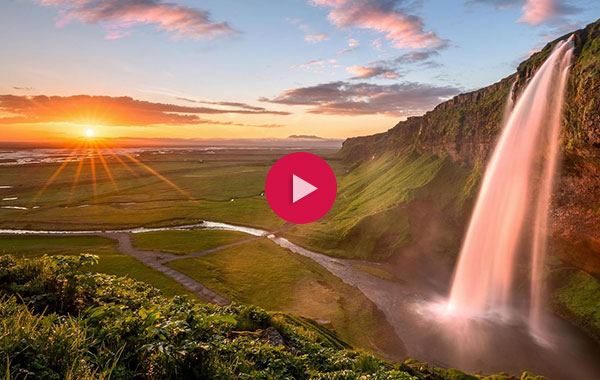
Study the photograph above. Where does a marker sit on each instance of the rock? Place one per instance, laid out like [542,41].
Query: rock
[274,337]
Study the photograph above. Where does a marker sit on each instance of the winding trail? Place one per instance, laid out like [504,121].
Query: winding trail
[157,259]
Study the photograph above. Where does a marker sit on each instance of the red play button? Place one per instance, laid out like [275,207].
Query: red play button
[300,188]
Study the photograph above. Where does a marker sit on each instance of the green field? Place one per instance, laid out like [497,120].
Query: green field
[185,242]
[264,274]
[111,261]
[226,186]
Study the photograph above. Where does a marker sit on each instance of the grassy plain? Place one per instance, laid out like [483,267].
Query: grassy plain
[111,261]
[226,186]
[264,274]
[185,242]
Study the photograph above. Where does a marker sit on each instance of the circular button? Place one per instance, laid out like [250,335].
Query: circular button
[301,188]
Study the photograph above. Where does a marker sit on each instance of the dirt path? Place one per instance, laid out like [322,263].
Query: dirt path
[157,259]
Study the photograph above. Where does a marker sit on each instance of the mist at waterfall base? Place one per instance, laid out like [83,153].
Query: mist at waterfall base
[494,318]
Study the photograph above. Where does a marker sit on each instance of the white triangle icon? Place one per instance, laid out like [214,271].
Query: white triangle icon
[300,188]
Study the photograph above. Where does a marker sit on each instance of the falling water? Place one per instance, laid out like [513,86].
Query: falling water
[512,206]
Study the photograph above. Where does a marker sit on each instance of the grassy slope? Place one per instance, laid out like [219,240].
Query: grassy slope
[264,274]
[370,218]
[185,242]
[112,262]
[59,322]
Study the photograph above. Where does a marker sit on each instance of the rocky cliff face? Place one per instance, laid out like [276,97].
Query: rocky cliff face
[466,127]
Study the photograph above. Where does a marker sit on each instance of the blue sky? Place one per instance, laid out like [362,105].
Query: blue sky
[280,55]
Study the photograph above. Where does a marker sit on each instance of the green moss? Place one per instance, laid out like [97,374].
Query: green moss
[578,299]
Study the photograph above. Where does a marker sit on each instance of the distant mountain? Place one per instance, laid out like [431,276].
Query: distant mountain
[306,137]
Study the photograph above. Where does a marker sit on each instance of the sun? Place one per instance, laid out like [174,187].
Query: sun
[90,132]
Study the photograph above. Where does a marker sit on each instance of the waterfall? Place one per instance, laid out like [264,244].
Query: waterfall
[508,224]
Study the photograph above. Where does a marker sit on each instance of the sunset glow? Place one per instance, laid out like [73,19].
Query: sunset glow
[330,69]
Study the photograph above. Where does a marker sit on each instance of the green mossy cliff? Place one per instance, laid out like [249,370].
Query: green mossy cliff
[463,131]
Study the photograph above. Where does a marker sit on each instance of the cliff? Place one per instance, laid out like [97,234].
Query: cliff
[466,126]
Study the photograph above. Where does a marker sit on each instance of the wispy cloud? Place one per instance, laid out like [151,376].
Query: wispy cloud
[352,45]
[226,104]
[111,111]
[402,29]
[120,16]
[534,12]
[365,72]
[345,98]
[315,64]
[389,69]
[314,38]
[309,35]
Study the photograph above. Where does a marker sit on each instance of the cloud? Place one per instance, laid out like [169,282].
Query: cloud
[497,4]
[119,16]
[535,12]
[22,88]
[109,111]
[345,98]
[314,38]
[226,104]
[389,68]
[403,30]
[352,45]
[363,72]
[309,35]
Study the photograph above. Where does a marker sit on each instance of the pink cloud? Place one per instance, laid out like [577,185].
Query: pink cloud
[400,28]
[362,72]
[120,15]
[536,12]
[314,38]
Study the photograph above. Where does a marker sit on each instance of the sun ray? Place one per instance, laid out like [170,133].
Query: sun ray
[161,177]
[93,170]
[55,174]
[77,173]
[119,159]
[105,165]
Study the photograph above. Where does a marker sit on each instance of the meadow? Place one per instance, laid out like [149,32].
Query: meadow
[162,189]
[181,187]
[111,260]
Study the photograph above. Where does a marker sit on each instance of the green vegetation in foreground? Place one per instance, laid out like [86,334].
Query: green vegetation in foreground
[61,323]
[371,217]
[578,299]
[264,274]
[185,242]
[112,262]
